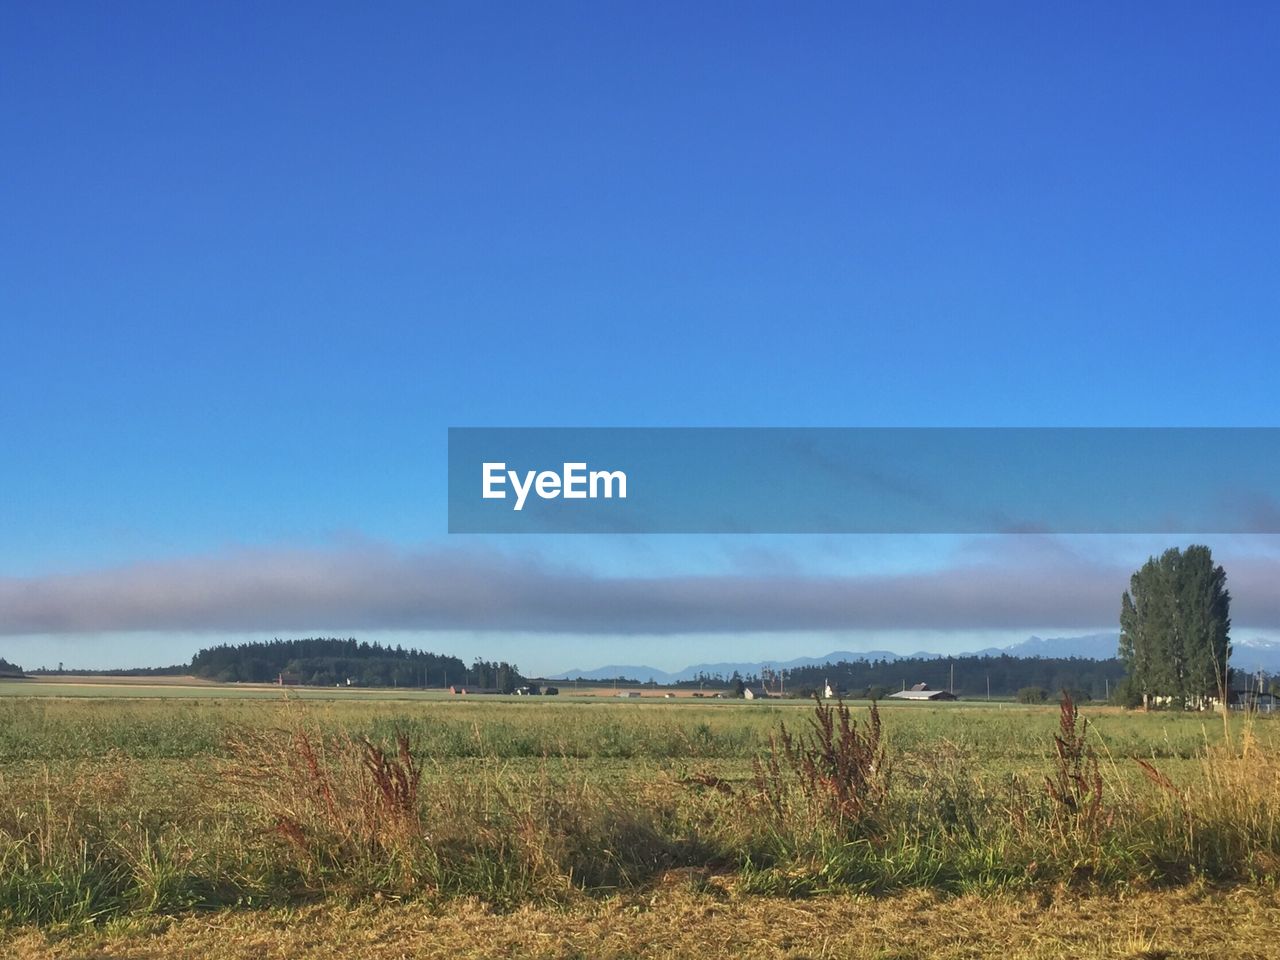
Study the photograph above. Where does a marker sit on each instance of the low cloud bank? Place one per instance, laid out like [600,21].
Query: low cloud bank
[465,589]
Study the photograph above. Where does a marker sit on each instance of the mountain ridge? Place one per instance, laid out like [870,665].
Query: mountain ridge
[1251,654]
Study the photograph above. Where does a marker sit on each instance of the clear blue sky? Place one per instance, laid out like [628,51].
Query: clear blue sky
[253,262]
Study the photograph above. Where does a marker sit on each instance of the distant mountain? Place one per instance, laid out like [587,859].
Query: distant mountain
[1246,654]
[616,671]
[645,674]
[1094,646]
[1255,654]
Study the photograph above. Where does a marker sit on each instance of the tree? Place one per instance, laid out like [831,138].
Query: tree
[1033,695]
[506,678]
[1127,694]
[1174,628]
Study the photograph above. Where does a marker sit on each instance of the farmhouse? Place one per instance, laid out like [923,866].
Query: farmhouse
[921,691]
[1251,700]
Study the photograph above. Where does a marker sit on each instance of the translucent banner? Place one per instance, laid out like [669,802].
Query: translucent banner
[864,480]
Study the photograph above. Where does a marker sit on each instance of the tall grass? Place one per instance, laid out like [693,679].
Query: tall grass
[293,804]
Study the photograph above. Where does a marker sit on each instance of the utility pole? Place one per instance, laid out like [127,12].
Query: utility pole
[988,688]
[951,684]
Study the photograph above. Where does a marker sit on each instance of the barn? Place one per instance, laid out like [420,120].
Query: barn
[921,691]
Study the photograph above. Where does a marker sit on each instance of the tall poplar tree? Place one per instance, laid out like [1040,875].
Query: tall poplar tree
[1174,627]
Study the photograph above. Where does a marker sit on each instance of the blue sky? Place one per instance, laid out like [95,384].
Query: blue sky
[256,262]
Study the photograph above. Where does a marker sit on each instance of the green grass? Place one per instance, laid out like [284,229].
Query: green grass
[130,807]
[45,726]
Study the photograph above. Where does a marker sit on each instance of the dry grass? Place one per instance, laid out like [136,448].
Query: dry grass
[1228,812]
[334,798]
[1187,924]
[840,768]
[1075,785]
[305,811]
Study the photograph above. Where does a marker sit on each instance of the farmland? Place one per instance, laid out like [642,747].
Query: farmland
[138,816]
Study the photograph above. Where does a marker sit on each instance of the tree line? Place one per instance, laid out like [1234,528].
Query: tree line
[329,661]
[1003,675]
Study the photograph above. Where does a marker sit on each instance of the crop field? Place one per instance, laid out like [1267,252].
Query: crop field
[165,819]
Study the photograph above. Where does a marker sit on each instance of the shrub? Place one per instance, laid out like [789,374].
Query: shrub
[840,769]
[1033,695]
[1126,694]
[1075,785]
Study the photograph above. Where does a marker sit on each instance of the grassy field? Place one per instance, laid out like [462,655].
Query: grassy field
[137,816]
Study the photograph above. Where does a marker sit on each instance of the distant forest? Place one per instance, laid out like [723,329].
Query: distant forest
[329,661]
[1007,675]
[177,670]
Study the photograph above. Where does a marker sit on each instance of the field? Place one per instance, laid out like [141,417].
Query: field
[166,818]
